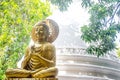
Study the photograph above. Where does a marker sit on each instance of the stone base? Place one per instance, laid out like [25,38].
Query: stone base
[31,79]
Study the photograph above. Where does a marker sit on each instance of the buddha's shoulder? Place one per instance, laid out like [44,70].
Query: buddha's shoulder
[49,45]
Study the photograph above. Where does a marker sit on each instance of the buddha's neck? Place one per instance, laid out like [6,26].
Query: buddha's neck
[40,42]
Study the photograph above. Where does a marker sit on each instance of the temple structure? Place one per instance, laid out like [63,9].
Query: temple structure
[74,63]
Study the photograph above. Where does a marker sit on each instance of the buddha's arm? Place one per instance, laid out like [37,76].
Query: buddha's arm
[50,51]
[26,58]
[47,61]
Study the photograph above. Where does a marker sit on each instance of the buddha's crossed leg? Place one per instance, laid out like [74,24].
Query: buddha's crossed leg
[40,73]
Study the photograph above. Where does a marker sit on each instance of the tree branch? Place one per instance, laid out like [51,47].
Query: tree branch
[112,17]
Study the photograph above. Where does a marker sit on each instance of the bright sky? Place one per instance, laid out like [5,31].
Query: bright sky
[75,13]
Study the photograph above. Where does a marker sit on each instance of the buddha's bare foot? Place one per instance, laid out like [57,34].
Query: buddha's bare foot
[50,72]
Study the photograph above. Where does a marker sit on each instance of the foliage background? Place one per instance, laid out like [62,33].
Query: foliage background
[16,20]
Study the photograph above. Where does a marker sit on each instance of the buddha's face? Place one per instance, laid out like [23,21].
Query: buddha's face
[41,33]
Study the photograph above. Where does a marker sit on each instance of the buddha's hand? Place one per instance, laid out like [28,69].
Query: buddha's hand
[32,49]
[36,49]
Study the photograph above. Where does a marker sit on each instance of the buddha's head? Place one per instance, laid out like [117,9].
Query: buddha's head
[46,30]
[41,32]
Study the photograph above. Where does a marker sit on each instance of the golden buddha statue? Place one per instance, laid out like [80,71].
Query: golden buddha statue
[40,59]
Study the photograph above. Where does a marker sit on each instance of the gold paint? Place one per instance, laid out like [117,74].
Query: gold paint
[40,59]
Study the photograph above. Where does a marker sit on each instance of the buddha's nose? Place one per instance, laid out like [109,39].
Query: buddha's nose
[41,32]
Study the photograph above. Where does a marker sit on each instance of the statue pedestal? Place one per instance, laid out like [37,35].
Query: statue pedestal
[31,79]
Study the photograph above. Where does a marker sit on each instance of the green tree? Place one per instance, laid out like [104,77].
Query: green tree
[101,32]
[17,17]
